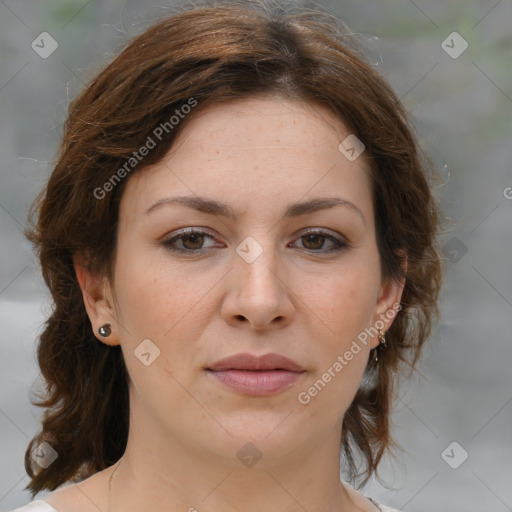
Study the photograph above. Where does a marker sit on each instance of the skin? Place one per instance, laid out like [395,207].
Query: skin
[258,156]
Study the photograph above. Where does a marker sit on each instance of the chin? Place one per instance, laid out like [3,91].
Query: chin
[269,434]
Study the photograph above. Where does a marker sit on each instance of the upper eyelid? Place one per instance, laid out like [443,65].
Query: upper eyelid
[206,231]
[186,231]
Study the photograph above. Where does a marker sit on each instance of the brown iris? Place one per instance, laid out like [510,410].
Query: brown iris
[320,239]
[197,240]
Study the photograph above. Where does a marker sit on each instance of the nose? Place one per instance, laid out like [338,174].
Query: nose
[258,294]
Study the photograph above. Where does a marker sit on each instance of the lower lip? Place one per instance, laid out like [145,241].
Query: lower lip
[257,383]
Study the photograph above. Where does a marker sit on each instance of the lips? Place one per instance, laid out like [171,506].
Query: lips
[255,363]
[256,376]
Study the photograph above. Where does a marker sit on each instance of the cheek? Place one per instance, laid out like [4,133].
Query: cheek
[346,306]
[347,299]
[158,300]
[152,292]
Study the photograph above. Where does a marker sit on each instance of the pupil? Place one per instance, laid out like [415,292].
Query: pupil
[195,241]
[312,238]
[198,240]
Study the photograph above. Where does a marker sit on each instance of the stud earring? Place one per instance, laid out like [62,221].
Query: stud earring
[105,330]
[382,342]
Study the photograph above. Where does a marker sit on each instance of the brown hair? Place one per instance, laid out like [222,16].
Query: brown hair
[212,54]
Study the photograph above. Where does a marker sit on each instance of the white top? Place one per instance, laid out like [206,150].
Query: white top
[42,506]
[36,506]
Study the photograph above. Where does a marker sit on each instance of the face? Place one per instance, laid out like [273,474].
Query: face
[271,250]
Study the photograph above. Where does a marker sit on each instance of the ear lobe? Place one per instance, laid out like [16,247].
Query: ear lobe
[95,289]
[388,303]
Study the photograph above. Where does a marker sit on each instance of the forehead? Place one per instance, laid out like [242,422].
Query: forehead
[261,150]
[271,121]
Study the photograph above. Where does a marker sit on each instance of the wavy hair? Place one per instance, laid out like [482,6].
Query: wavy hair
[215,53]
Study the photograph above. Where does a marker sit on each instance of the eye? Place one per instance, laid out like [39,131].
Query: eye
[191,241]
[315,240]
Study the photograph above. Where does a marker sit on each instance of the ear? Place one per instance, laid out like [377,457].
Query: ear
[98,301]
[388,303]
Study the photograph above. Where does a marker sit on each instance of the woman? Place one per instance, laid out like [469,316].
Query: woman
[240,240]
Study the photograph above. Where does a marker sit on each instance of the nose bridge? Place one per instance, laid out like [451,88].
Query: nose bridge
[259,267]
[258,291]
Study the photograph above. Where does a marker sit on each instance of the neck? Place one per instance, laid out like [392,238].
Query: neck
[180,482]
[163,470]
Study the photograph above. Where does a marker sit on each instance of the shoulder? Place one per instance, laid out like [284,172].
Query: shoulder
[85,496]
[381,507]
[365,502]
[36,506]
[61,500]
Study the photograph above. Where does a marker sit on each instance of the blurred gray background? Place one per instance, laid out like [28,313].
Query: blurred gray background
[461,100]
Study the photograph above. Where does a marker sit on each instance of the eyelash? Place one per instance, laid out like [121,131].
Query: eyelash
[339,244]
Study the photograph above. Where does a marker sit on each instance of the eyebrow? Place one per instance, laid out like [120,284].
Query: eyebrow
[213,207]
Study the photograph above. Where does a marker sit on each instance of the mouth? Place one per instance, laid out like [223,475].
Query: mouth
[256,376]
